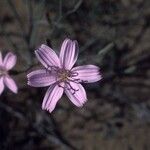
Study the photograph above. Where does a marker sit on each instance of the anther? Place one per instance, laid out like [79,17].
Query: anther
[71,88]
[74,74]
[84,81]
[74,80]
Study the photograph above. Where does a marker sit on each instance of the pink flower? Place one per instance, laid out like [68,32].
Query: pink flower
[5,65]
[60,75]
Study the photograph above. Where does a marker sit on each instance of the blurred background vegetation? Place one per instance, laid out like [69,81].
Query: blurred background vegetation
[113,34]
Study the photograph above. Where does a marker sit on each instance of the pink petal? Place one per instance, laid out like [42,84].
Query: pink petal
[47,56]
[9,61]
[10,83]
[40,78]
[68,53]
[1,85]
[78,97]
[53,94]
[87,73]
[1,60]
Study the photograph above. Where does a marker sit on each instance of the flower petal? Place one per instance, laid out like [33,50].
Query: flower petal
[47,56]
[1,60]
[68,53]
[40,78]
[9,61]
[1,85]
[77,97]
[53,94]
[10,83]
[87,73]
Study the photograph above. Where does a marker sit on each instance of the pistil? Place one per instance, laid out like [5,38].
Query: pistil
[64,76]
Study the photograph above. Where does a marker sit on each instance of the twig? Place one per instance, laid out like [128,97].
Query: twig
[106,49]
[12,111]
[61,17]
[59,135]
[9,40]
[16,72]
[2,33]
[16,14]
[60,8]
[30,9]
[88,44]
[76,7]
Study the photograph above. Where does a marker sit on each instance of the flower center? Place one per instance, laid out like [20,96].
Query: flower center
[3,71]
[63,74]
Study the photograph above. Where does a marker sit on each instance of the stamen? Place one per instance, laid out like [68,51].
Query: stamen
[84,81]
[52,69]
[61,86]
[71,88]
[64,76]
[74,80]
[78,81]
[74,74]
[47,70]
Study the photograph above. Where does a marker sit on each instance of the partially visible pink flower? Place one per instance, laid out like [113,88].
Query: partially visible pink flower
[5,65]
[60,75]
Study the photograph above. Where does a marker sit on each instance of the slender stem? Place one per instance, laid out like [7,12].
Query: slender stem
[11,4]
